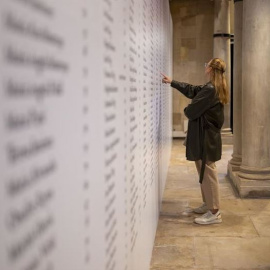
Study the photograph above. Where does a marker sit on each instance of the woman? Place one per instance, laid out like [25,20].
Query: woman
[203,142]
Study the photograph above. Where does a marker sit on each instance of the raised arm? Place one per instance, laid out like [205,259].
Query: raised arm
[189,90]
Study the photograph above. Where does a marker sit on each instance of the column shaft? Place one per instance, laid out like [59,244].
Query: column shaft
[222,44]
[236,160]
[254,175]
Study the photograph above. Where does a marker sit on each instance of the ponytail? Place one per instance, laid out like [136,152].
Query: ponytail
[218,79]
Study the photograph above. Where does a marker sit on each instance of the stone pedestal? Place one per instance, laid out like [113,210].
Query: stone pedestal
[250,185]
[226,136]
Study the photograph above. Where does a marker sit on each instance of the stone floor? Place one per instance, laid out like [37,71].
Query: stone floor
[242,241]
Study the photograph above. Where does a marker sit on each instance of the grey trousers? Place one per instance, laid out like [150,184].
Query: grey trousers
[210,184]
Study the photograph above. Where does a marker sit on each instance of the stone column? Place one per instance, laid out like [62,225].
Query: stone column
[222,46]
[235,162]
[254,175]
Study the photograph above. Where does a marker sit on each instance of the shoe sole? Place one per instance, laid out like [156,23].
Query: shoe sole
[198,212]
[209,222]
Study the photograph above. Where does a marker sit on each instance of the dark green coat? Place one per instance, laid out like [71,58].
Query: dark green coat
[206,117]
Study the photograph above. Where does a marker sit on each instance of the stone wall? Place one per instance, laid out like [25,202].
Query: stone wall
[193,28]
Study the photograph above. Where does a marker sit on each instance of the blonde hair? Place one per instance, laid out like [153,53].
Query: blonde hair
[218,79]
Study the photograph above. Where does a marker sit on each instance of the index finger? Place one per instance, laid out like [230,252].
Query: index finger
[163,74]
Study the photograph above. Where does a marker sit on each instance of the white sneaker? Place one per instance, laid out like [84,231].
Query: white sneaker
[209,218]
[201,210]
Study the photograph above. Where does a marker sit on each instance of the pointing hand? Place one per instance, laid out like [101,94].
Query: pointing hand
[166,79]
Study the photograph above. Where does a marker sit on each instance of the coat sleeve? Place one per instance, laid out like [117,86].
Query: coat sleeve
[200,103]
[189,90]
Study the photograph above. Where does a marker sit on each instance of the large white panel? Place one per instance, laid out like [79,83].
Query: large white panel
[85,132]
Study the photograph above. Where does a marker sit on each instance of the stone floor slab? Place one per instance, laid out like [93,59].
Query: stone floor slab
[178,194]
[175,183]
[257,205]
[232,253]
[262,224]
[173,252]
[175,208]
[183,225]
[240,242]
[232,226]
[174,227]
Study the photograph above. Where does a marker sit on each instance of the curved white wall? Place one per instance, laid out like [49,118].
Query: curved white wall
[85,132]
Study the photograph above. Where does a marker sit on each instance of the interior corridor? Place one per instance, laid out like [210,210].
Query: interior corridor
[242,241]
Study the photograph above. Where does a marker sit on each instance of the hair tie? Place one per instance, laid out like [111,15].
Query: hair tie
[218,68]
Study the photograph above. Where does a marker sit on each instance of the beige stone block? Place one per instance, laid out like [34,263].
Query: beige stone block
[173,268]
[181,169]
[183,225]
[175,208]
[204,27]
[176,110]
[177,118]
[232,253]
[235,207]
[176,96]
[173,253]
[175,227]
[226,192]
[175,10]
[261,223]
[257,206]
[177,127]
[185,32]
[188,11]
[189,43]
[176,194]
[204,45]
[193,170]
[183,54]
[177,268]
[193,22]
[179,153]
[177,54]
[181,188]
[176,183]
[205,19]
[191,54]
[246,206]
[231,226]
[178,161]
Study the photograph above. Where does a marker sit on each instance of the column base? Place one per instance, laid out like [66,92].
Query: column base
[226,136]
[258,187]
[235,162]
